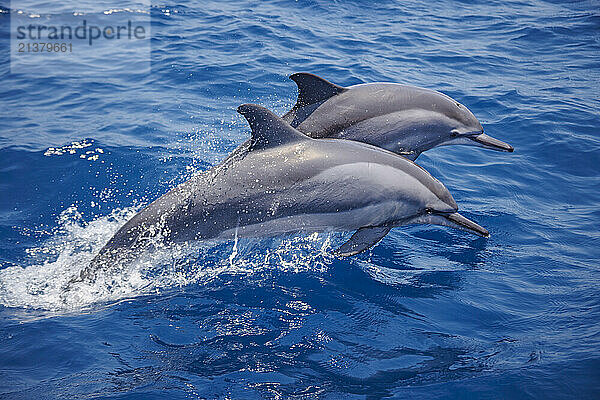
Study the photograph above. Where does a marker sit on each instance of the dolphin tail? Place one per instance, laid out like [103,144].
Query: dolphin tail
[106,261]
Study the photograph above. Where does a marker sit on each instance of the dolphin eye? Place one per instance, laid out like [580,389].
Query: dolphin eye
[458,105]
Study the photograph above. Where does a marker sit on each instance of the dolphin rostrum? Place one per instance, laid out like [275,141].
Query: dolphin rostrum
[404,119]
[282,181]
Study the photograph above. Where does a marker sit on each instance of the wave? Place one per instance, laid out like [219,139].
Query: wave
[43,283]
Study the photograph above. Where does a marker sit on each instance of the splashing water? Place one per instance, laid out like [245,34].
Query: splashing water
[44,282]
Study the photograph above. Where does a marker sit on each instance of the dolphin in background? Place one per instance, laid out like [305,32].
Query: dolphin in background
[282,181]
[404,119]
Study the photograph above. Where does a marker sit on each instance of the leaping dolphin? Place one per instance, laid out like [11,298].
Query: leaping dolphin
[404,119]
[281,181]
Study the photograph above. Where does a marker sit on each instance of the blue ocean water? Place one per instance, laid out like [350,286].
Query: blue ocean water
[428,313]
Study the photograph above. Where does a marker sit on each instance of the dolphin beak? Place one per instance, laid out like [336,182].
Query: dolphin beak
[489,142]
[458,221]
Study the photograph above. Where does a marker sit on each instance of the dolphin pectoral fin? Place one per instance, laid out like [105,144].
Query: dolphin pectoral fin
[313,89]
[362,239]
[489,142]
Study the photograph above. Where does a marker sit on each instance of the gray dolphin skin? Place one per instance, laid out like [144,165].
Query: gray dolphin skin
[404,119]
[281,181]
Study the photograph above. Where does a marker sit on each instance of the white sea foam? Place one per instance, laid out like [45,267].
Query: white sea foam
[43,281]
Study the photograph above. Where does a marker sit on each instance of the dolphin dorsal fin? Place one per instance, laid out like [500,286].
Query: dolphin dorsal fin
[313,89]
[268,130]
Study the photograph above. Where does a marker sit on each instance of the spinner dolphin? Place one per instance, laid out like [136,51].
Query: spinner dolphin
[282,181]
[407,120]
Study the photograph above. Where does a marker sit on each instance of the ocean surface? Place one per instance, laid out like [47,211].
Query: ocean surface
[428,313]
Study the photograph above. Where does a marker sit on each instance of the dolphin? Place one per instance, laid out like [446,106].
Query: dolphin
[407,120]
[282,181]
